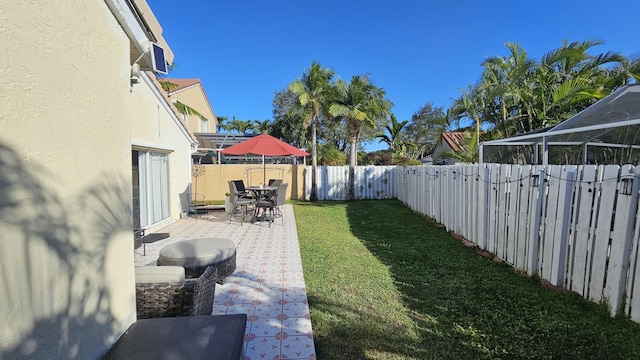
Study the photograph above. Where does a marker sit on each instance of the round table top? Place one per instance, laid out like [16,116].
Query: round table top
[262,188]
[197,252]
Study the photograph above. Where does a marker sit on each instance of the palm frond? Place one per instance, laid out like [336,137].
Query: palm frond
[186,109]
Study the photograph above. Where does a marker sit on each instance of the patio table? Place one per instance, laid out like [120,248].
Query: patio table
[260,192]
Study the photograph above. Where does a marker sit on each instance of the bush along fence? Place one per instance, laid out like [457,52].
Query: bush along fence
[371,182]
[574,226]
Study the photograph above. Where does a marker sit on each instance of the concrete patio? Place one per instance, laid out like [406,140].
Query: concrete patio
[268,284]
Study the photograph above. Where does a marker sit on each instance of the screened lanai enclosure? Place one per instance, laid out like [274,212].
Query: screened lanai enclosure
[606,133]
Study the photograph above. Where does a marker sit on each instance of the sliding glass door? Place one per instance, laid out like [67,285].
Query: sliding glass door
[153,185]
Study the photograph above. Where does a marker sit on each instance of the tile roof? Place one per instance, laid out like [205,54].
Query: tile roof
[182,83]
[454,139]
[187,83]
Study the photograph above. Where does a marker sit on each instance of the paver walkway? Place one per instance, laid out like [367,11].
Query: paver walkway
[268,284]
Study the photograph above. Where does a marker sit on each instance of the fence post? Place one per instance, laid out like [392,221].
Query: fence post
[534,224]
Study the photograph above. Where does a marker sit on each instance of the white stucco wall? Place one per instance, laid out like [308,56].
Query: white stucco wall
[153,127]
[438,150]
[66,245]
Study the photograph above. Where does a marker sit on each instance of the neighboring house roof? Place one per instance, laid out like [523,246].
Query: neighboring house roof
[181,84]
[184,84]
[454,139]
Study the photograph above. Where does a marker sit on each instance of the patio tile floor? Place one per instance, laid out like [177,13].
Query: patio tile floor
[268,284]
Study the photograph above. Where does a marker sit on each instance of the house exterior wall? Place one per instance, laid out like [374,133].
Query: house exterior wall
[196,98]
[438,150]
[153,128]
[66,245]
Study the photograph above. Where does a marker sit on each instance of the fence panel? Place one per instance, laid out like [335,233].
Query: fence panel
[583,228]
[561,231]
[521,235]
[513,192]
[606,188]
[550,211]
[537,201]
[574,225]
[621,237]
[633,285]
[370,182]
[483,192]
[502,210]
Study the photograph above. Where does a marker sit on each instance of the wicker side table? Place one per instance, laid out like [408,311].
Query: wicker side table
[196,255]
[162,293]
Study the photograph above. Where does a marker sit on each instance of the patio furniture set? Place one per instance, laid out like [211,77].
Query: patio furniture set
[174,303]
[259,203]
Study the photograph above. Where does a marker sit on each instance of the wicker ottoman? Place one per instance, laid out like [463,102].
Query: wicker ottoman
[196,255]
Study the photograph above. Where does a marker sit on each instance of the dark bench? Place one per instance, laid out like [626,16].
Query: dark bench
[189,337]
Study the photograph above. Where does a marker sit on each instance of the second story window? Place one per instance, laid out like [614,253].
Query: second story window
[204,125]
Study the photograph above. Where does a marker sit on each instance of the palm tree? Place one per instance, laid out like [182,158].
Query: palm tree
[394,136]
[314,90]
[627,72]
[471,104]
[288,119]
[329,155]
[523,95]
[241,126]
[262,127]
[360,103]
[222,125]
[468,152]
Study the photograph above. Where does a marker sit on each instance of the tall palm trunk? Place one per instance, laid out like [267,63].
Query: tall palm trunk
[478,132]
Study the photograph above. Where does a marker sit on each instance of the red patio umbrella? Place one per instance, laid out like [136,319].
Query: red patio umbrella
[265,145]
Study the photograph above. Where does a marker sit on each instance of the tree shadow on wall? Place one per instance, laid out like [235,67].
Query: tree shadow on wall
[52,262]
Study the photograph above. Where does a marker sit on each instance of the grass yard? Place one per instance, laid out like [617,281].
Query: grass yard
[385,283]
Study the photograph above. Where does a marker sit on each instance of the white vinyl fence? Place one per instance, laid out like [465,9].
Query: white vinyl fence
[574,226]
[371,182]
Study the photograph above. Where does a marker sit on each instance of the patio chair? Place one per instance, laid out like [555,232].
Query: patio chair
[239,204]
[273,204]
[241,191]
[196,204]
[163,291]
[275,182]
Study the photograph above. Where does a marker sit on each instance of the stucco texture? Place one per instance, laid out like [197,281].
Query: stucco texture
[66,246]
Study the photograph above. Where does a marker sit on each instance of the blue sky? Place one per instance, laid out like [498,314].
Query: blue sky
[418,51]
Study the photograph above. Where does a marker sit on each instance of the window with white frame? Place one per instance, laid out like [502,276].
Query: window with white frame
[204,125]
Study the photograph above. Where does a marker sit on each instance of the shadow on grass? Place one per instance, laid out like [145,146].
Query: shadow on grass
[458,304]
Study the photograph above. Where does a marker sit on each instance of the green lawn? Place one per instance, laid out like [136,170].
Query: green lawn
[385,283]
